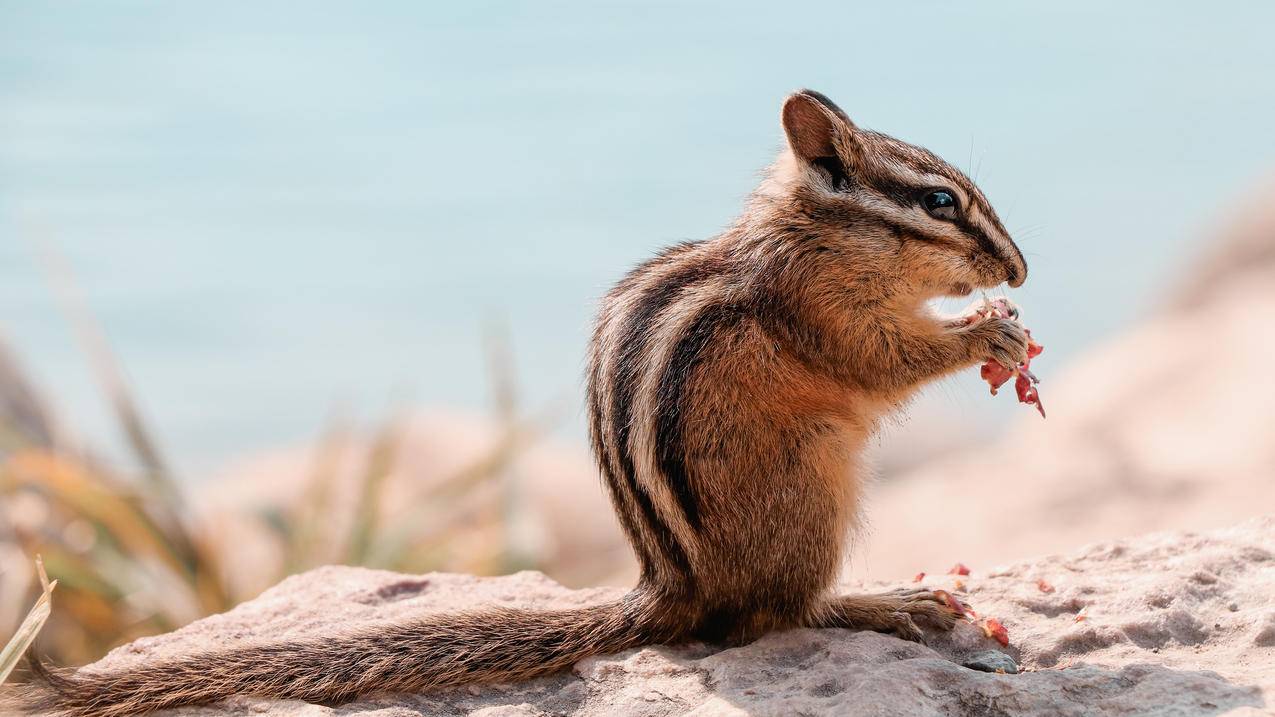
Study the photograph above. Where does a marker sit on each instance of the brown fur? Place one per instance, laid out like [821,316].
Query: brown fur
[732,386]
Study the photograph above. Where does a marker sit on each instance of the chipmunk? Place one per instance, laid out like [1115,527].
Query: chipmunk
[732,386]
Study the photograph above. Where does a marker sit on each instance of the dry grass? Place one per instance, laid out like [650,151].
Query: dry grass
[31,624]
[130,557]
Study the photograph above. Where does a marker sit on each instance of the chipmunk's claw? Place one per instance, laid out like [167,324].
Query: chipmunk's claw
[931,609]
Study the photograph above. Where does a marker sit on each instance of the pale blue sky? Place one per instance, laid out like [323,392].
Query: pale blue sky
[274,206]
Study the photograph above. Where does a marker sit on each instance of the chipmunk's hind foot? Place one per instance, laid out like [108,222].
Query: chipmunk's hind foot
[895,613]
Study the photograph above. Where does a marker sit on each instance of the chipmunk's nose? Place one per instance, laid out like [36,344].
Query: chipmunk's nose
[1017,274]
[1016,269]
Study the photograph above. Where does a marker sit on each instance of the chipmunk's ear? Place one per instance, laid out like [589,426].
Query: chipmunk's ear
[819,133]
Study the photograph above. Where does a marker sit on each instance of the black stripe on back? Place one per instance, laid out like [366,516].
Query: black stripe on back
[624,503]
[670,397]
[631,345]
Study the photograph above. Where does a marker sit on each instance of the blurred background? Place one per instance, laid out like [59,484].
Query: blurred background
[287,284]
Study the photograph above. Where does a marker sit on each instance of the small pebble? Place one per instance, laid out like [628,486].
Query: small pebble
[992,661]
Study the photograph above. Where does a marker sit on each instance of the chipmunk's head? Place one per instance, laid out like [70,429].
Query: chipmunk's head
[892,203]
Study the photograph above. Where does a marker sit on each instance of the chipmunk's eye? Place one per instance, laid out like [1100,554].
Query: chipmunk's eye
[940,204]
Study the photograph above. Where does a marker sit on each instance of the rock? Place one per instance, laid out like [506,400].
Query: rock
[1265,636]
[1159,638]
[992,661]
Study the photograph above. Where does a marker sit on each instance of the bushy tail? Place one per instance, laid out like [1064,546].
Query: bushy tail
[493,645]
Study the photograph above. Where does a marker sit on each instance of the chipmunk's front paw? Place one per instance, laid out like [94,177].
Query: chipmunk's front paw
[1004,340]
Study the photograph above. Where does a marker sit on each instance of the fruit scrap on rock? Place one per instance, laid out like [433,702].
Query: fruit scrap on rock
[919,577]
[990,626]
[959,569]
[994,629]
[1044,586]
[997,375]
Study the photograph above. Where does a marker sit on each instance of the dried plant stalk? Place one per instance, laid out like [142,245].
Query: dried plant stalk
[30,626]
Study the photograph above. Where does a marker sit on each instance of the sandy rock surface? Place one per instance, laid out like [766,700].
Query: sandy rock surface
[1172,624]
